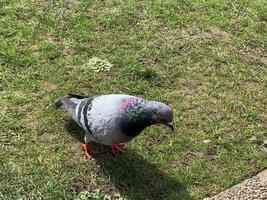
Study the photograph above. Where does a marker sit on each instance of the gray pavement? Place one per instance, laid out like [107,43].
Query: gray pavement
[254,188]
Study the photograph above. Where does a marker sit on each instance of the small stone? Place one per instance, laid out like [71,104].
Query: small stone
[264,149]
[253,138]
[47,137]
[264,60]
[206,141]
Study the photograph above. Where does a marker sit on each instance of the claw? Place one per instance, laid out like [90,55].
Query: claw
[89,151]
[116,148]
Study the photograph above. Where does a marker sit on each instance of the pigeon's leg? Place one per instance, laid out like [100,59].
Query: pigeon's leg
[116,148]
[89,151]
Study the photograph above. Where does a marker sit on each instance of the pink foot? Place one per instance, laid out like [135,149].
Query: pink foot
[89,151]
[116,148]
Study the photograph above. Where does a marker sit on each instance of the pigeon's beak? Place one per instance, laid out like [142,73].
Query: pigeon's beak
[170,125]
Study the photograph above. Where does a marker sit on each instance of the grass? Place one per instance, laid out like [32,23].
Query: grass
[207,59]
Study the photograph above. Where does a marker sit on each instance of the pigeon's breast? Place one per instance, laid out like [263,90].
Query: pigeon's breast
[134,117]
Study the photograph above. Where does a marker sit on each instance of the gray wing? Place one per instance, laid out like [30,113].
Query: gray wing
[81,111]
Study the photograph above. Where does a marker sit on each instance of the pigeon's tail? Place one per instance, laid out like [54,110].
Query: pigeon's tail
[64,103]
[58,103]
[68,103]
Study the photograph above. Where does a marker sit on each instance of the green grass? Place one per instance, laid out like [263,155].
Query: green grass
[207,59]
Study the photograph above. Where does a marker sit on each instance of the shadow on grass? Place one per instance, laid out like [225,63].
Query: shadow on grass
[74,130]
[133,176]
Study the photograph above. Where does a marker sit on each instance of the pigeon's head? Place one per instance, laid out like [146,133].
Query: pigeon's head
[162,114]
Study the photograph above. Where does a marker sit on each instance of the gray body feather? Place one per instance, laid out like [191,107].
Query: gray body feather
[103,120]
[99,118]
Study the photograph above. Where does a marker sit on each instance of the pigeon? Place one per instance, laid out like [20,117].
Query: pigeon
[113,119]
